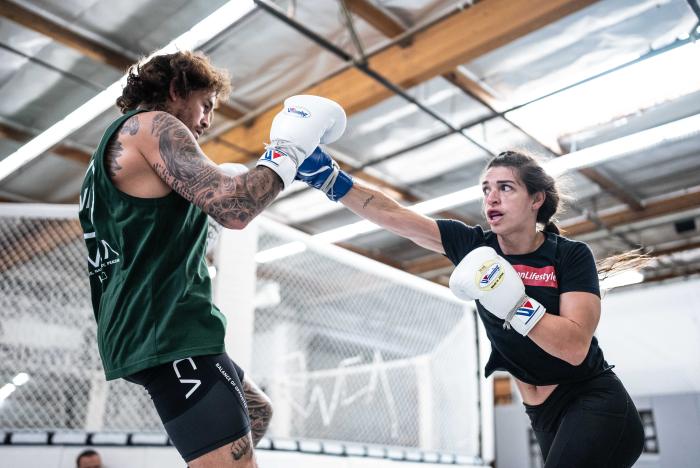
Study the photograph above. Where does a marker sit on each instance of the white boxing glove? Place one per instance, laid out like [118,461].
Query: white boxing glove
[214,228]
[485,276]
[304,123]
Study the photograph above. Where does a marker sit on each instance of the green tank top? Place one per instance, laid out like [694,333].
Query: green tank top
[151,291]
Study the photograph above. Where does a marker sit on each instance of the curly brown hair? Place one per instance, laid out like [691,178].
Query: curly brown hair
[148,84]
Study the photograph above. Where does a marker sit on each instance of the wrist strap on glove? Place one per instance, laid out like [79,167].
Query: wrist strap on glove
[524,316]
[335,185]
[282,157]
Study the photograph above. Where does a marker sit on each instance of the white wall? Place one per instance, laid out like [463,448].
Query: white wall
[652,336]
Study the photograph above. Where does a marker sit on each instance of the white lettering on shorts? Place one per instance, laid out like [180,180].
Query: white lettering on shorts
[196,382]
[233,384]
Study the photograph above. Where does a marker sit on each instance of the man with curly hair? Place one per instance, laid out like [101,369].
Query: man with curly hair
[143,209]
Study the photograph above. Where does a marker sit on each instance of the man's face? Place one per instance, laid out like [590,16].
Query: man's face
[196,111]
[90,461]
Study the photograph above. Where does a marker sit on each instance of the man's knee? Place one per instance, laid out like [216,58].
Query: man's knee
[241,449]
[237,454]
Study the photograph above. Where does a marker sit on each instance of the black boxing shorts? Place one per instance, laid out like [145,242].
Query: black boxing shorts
[200,401]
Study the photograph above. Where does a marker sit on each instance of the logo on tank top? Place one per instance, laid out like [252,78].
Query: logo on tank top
[101,255]
[533,276]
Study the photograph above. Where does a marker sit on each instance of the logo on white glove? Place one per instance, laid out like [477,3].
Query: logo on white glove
[489,276]
[299,112]
[272,154]
[527,310]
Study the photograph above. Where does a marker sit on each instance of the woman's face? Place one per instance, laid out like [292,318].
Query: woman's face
[508,206]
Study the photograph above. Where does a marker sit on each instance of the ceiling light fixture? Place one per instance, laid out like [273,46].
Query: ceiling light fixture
[20,379]
[6,390]
[198,35]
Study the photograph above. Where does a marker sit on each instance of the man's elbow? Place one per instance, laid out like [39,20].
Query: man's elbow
[235,224]
[232,221]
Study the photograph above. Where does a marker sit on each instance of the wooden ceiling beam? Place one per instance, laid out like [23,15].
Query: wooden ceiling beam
[427,263]
[472,88]
[435,50]
[650,210]
[687,271]
[373,15]
[88,47]
[67,152]
[678,248]
[73,154]
[65,36]
[612,188]
[11,133]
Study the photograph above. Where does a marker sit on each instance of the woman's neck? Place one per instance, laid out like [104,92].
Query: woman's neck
[519,243]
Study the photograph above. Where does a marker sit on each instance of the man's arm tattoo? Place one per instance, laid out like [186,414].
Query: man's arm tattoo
[114,146]
[112,153]
[259,410]
[240,447]
[189,173]
[131,126]
[367,202]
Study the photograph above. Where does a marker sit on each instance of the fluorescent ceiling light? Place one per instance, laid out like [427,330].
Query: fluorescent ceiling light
[6,391]
[625,92]
[198,35]
[626,145]
[20,379]
[591,156]
[624,278]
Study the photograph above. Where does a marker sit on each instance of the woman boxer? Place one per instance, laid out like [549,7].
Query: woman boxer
[538,297]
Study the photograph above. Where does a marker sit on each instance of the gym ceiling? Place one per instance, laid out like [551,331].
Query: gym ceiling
[432,88]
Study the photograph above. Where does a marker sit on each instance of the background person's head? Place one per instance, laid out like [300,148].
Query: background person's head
[88,459]
[185,84]
[531,196]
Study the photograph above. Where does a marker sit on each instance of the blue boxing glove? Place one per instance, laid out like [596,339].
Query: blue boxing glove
[321,172]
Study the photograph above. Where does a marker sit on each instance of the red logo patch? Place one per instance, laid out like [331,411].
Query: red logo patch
[533,276]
